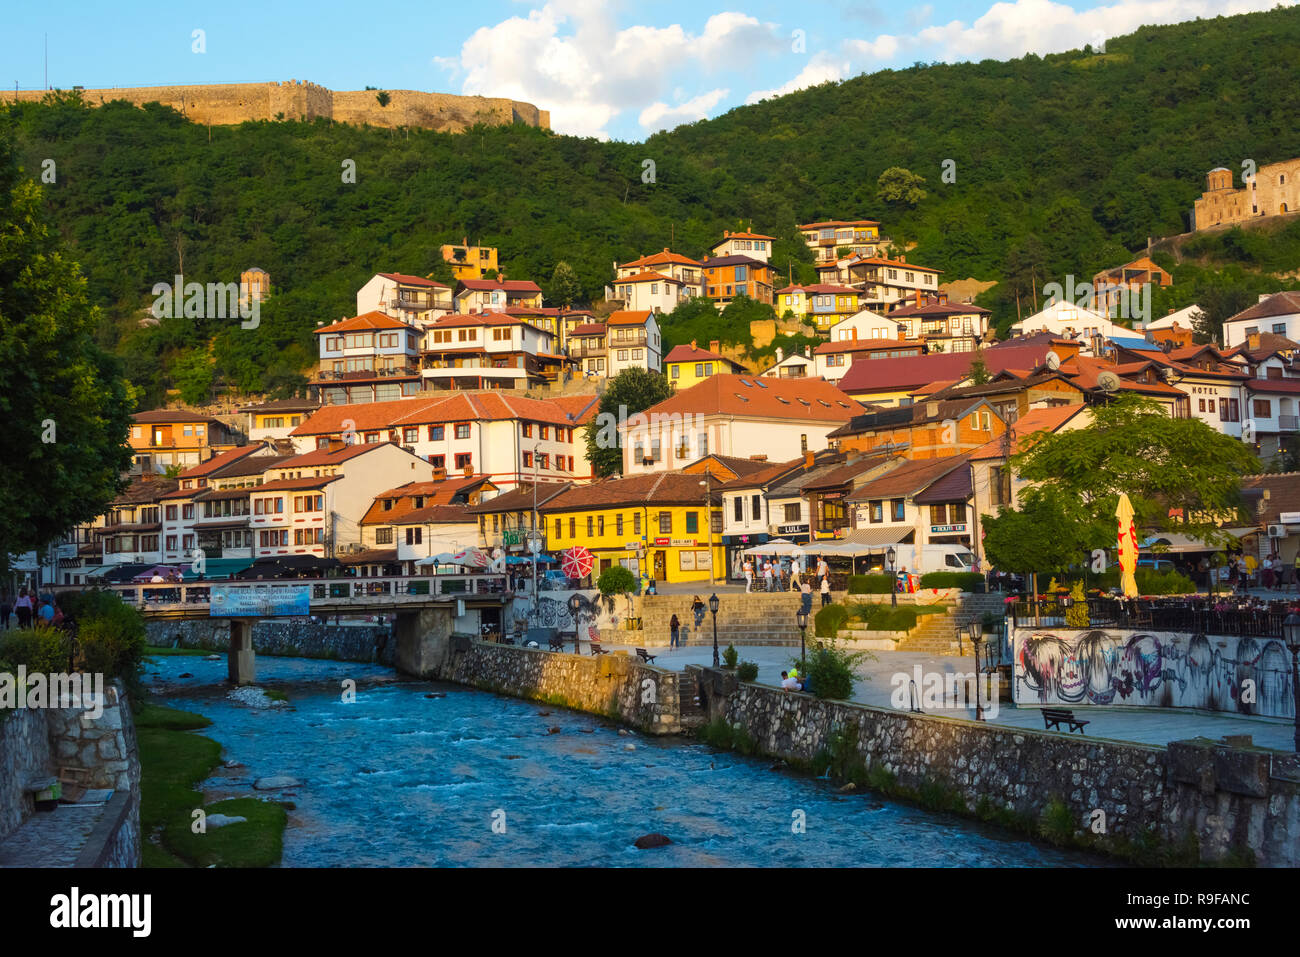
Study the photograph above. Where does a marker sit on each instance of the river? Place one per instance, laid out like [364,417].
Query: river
[398,779]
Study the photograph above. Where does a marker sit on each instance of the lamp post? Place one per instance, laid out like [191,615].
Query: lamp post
[534,537]
[574,605]
[713,607]
[802,619]
[892,556]
[1291,634]
[976,631]
[708,517]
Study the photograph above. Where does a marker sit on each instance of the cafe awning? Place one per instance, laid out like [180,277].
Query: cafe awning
[1172,543]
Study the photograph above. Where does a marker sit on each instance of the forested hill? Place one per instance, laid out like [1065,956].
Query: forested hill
[1063,164]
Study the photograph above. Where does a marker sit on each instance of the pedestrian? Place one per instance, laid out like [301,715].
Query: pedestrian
[697,606]
[23,608]
[749,575]
[826,591]
[673,627]
[1266,572]
[805,598]
[794,575]
[46,611]
[823,569]
[767,573]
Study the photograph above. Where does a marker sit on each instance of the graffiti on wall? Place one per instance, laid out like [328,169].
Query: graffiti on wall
[1163,670]
[552,611]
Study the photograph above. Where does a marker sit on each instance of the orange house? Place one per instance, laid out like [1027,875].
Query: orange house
[928,430]
[726,277]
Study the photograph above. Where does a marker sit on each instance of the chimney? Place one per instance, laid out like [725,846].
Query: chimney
[918,297]
[665,249]
[439,475]
[807,352]
[931,410]
[758,458]
[855,333]
[693,344]
[469,470]
[902,258]
[780,354]
[715,346]
[808,459]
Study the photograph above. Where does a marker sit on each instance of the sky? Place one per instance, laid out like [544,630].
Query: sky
[611,69]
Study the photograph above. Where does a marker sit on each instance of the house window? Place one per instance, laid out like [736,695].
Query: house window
[383,536]
[527,430]
[557,529]
[438,461]
[676,371]
[528,460]
[573,527]
[591,522]
[938,515]
[464,460]
[877,512]
[462,430]
[187,511]
[692,523]
[665,523]
[636,523]
[1263,408]
[171,513]
[545,432]
[738,508]
[793,512]
[618,524]
[544,460]
[414,536]
[898,509]
[756,508]
[410,435]
[1229,410]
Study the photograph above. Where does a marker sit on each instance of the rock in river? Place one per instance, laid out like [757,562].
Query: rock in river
[276,782]
[652,840]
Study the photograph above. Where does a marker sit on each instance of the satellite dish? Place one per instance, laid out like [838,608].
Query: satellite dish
[1168,346]
[1107,381]
[1053,361]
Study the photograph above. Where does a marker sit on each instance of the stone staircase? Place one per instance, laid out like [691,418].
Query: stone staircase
[690,709]
[759,618]
[938,634]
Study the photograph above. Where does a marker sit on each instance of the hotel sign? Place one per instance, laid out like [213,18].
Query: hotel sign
[947,528]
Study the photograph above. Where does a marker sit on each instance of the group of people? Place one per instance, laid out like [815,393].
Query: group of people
[776,573]
[675,637]
[793,681]
[1245,572]
[29,609]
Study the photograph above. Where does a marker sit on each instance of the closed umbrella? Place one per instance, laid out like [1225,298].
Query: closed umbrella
[1128,547]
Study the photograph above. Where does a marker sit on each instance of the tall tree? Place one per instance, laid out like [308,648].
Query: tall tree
[900,186]
[1178,473]
[631,391]
[566,288]
[65,407]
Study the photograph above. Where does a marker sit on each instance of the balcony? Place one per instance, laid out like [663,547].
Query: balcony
[392,372]
[1288,423]
[411,304]
[630,342]
[585,352]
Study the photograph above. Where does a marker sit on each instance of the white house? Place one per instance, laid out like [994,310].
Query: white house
[632,339]
[411,299]
[1069,321]
[792,366]
[1278,313]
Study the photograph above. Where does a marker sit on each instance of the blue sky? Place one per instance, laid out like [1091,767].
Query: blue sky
[605,68]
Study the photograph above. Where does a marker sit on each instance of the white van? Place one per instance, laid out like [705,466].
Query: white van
[934,558]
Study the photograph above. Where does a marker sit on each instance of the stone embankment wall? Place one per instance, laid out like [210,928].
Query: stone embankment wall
[617,686]
[37,743]
[1232,800]
[367,643]
[231,103]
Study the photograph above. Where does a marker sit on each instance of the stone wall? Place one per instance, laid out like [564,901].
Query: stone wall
[1230,799]
[24,754]
[231,103]
[617,686]
[367,643]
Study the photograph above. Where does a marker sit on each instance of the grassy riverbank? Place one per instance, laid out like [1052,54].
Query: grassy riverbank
[174,760]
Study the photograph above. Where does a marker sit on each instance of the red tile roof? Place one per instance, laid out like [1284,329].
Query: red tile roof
[841,222]
[693,353]
[866,345]
[326,457]
[588,329]
[294,485]
[730,236]
[649,276]
[413,280]
[1278,304]
[898,374]
[763,398]
[508,285]
[938,309]
[879,261]
[824,288]
[660,259]
[367,320]
[654,488]
[908,478]
[221,460]
[1032,422]
[628,317]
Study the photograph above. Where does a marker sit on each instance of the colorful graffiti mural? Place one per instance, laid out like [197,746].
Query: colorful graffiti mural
[1162,670]
[552,611]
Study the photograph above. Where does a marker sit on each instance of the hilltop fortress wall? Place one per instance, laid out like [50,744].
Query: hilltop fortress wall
[231,103]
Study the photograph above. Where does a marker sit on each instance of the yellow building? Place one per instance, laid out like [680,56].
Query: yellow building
[471,262]
[823,303]
[686,366]
[657,523]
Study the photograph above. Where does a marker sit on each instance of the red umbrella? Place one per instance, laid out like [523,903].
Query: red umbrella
[576,562]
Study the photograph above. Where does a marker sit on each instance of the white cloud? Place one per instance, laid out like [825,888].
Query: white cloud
[821,67]
[569,57]
[661,116]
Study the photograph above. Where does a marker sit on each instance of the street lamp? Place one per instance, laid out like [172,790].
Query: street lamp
[976,631]
[892,556]
[708,517]
[802,619]
[713,607]
[1291,634]
[574,605]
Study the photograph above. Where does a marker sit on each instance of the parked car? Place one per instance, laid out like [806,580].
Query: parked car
[555,580]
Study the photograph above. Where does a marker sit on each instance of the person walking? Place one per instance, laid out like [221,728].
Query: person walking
[767,574]
[1266,572]
[805,598]
[23,609]
[749,575]
[826,591]
[697,606]
[674,626]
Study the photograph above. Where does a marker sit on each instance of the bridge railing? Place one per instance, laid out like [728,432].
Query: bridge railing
[363,591]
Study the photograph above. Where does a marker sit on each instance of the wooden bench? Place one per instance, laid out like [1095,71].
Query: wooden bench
[555,643]
[645,656]
[1055,717]
[597,650]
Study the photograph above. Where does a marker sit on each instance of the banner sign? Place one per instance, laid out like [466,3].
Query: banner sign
[259,601]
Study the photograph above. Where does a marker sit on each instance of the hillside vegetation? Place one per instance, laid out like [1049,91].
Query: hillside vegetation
[1063,165]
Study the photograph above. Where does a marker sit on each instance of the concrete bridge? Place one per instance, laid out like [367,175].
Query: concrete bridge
[425,608]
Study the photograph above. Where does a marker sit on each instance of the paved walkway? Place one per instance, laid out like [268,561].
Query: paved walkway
[51,839]
[877,683]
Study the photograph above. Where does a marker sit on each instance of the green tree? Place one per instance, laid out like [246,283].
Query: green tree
[1177,473]
[613,581]
[631,391]
[979,369]
[566,289]
[1040,536]
[193,375]
[65,406]
[900,186]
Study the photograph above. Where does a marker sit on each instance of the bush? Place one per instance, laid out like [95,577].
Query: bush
[1149,581]
[888,618]
[871,584]
[747,671]
[830,669]
[730,656]
[42,650]
[829,620]
[966,581]
[110,636]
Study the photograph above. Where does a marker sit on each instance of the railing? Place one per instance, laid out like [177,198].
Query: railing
[1227,616]
[630,342]
[1288,423]
[583,352]
[329,375]
[151,597]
